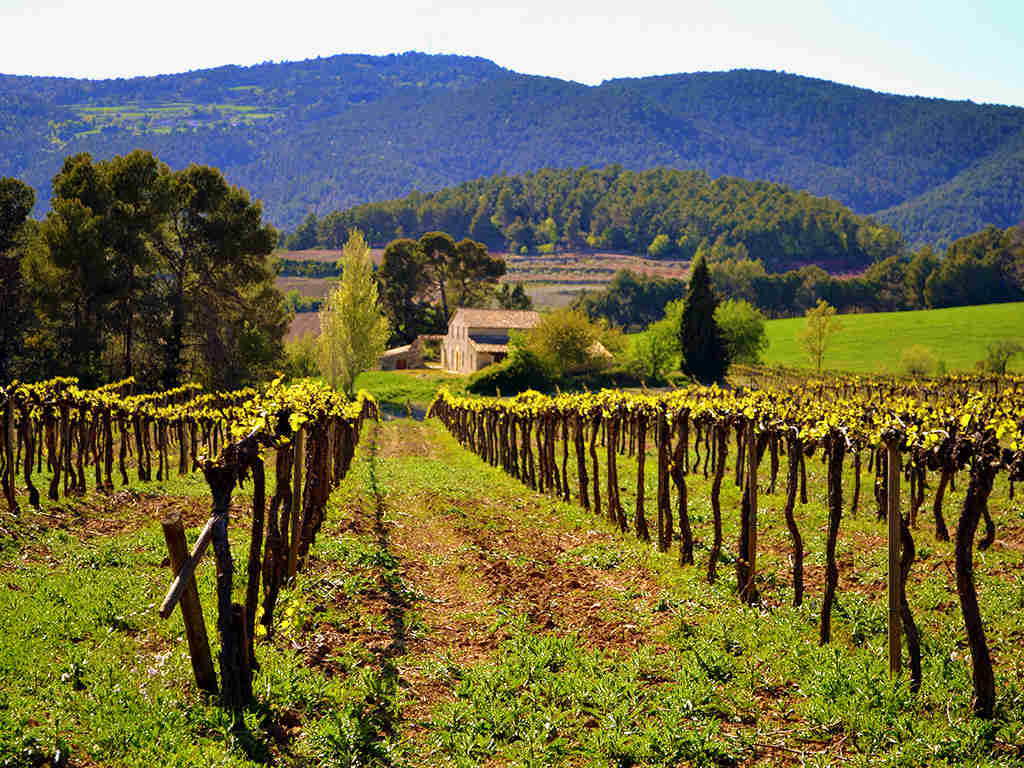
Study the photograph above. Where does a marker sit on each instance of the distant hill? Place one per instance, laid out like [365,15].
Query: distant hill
[331,133]
[663,212]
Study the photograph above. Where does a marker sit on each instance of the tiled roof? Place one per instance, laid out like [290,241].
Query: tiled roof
[495,318]
[397,351]
[490,347]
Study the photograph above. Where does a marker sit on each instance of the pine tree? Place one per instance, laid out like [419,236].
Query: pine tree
[354,331]
[705,356]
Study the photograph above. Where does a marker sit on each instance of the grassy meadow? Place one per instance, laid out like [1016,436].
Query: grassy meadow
[873,343]
[415,387]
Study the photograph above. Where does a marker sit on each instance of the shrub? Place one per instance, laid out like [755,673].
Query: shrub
[919,360]
[567,342]
[999,354]
[520,371]
[743,330]
[300,358]
[657,350]
[659,246]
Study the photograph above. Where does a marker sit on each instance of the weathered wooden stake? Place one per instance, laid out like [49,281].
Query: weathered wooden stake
[749,590]
[296,521]
[9,443]
[191,610]
[895,550]
[185,570]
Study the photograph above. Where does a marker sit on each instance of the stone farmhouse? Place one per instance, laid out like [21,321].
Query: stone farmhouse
[478,337]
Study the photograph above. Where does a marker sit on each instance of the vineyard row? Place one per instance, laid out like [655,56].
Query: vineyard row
[312,430]
[900,436]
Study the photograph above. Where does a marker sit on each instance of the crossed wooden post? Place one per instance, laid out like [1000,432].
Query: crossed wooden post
[183,589]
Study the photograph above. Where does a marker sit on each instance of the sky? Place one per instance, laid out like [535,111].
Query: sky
[941,48]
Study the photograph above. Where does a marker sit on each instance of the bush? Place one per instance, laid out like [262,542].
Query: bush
[520,371]
[300,358]
[918,360]
[657,350]
[998,356]
[743,330]
[659,246]
[567,342]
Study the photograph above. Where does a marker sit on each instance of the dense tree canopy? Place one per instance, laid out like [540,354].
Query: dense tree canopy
[631,300]
[164,275]
[423,282]
[662,212]
[217,278]
[16,201]
[335,132]
[984,268]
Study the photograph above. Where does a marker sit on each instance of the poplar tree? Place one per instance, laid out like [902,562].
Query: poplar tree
[705,355]
[354,331]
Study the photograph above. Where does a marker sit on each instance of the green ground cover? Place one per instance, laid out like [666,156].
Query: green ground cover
[873,343]
[393,389]
[452,617]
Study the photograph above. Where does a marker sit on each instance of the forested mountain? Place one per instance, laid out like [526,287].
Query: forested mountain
[662,212]
[331,133]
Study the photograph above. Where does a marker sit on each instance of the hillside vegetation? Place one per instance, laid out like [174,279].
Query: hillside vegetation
[873,343]
[331,133]
[662,212]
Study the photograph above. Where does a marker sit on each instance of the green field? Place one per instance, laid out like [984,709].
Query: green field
[395,389]
[873,343]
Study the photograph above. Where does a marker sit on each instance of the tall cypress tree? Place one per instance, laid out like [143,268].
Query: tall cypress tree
[705,356]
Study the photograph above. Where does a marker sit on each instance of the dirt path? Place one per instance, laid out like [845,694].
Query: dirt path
[463,564]
[476,559]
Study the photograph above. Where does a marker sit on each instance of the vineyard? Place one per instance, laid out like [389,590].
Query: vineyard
[943,429]
[314,433]
[694,577]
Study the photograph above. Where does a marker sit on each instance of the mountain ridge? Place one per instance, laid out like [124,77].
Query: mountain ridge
[329,133]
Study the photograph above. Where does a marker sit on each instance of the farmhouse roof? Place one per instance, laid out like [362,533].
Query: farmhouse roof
[489,347]
[395,351]
[495,318]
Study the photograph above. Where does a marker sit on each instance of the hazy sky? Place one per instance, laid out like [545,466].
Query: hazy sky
[944,48]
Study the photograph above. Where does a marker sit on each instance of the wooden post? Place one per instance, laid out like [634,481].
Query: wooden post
[9,471]
[184,571]
[191,610]
[895,550]
[296,521]
[751,491]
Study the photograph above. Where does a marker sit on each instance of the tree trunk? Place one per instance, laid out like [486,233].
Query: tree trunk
[746,562]
[595,426]
[794,449]
[640,518]
[176,337]
[721,448]
[679,478]
[983,472]
[836,450]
